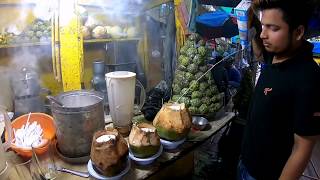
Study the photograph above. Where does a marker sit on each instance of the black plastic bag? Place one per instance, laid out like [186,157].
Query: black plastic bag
[155,98]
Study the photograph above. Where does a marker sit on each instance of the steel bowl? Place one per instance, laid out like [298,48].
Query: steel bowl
[199,123]
[171,144]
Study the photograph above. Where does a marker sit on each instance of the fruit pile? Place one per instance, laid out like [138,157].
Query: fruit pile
[202,96]
[38,31]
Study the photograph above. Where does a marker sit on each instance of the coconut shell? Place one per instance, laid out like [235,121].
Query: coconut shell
[144,144]
[110,157]
[173,121]
[171,135]
[144,151]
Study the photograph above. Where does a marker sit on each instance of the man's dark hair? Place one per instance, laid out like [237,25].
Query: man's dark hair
[295,13]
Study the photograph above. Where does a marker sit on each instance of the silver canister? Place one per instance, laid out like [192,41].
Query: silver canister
[26,83]
[26,91]
[77,120]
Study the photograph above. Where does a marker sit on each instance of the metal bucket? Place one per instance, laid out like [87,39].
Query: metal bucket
[77,120]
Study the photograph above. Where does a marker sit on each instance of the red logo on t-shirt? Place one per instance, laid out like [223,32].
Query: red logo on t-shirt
[266,90]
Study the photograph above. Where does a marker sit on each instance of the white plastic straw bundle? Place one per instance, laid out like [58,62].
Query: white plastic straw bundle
[28,134]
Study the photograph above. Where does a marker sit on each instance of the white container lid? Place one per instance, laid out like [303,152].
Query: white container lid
[120,74]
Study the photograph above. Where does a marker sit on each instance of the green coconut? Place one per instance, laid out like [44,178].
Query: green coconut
[173,121]
[144,140]
[170,134]
[144,151]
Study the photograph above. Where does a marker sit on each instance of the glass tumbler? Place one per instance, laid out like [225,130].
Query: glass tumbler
[43,163]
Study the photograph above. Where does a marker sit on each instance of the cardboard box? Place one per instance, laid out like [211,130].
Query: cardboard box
[241,10]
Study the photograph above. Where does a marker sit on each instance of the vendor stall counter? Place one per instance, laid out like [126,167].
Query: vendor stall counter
[172,163]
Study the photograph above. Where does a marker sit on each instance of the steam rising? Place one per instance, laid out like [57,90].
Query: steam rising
[28,57]
[19,32]
[118,7]
[43,9]
[117,11]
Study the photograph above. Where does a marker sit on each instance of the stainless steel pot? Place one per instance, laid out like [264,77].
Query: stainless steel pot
[77,120]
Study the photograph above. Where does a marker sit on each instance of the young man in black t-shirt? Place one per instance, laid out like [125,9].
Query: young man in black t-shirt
[284,115]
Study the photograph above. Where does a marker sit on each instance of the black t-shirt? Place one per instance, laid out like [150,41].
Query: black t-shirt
[286,101]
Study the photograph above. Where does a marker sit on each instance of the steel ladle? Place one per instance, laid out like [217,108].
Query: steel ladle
[77,173]
[51,98]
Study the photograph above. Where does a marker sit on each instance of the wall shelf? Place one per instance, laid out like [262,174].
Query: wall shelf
[89,41]
[110,40]
[25,45]
[17,4]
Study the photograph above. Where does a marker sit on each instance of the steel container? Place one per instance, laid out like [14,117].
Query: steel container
[77,120]
[26,83]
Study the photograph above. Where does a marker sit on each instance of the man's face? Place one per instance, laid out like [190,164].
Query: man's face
[275,32]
